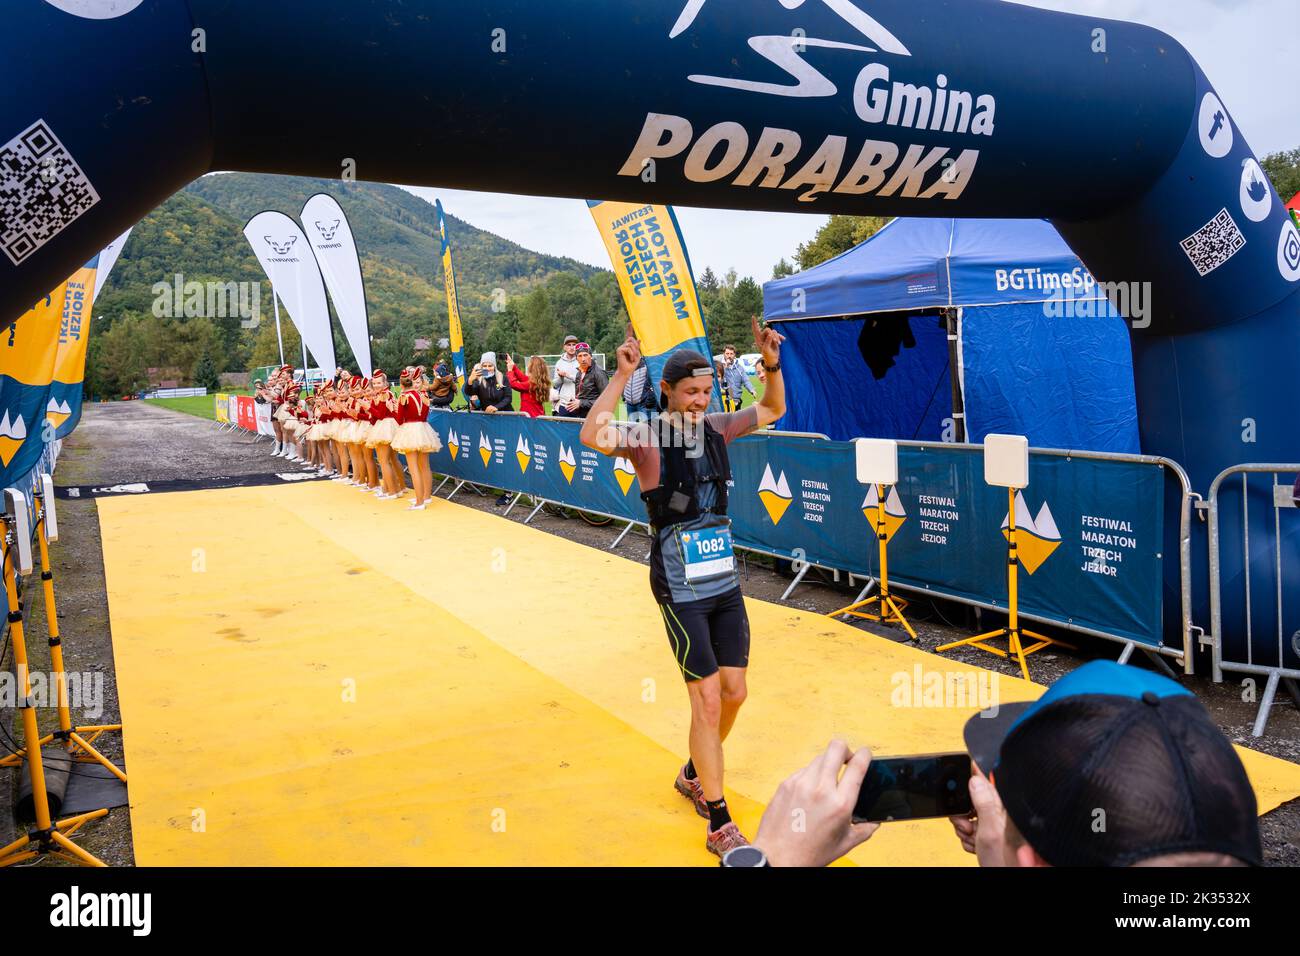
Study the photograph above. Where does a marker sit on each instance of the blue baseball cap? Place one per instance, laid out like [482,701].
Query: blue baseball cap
[1113,765]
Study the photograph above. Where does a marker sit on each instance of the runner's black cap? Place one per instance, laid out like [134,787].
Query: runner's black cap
[685,363]
[1114,765]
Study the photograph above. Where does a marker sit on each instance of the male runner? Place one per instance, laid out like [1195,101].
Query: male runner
[681,462]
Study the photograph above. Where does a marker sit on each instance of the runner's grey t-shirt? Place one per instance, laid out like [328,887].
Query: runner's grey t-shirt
[669,578]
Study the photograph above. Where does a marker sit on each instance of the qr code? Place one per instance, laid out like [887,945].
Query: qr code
[1214,243]
[42,191]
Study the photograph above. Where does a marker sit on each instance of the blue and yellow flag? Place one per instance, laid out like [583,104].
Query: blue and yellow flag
[29,353]
[654,274]
[453,301]
[64,406]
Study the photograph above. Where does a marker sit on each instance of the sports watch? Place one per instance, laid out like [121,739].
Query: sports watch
[747,855]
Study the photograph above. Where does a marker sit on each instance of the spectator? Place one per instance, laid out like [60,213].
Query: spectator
[591,382]
[1187,803]
[534,388]
[735,382]
[565,381]
[639,394]
[442,389]
[486,388]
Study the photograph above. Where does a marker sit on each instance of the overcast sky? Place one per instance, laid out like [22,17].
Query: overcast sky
[1248,49]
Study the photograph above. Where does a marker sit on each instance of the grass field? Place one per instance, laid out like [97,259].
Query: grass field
[203,406]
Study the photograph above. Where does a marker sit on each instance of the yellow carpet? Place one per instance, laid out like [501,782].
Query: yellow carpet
[310,676]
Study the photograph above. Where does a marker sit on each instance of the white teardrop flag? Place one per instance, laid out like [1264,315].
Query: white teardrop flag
[286,256]
[331,239]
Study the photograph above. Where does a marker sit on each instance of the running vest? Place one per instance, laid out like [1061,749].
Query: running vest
[691,557]
[676,500]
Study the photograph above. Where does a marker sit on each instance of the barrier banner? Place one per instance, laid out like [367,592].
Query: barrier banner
[538,456]
[247,417]
[232,410]
[222,408]
[262,418]
[1090,532]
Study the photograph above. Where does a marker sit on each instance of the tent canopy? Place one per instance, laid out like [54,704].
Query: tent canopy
[867,352]
[926,263]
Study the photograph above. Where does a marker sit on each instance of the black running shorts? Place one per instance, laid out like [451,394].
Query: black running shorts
[708,634]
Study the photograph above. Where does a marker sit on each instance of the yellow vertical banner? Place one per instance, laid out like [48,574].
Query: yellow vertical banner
[70,359]
[646,248]
[453,300]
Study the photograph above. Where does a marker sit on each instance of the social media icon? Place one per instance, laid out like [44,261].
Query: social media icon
[1256,194]
[1215,127]
[1288,253]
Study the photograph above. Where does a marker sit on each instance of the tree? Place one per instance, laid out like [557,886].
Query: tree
[1284,170]
[265,347]
[745,301]
[567,296]
[205,373]
[782,269]
[395,350]
[117,361]
[708,282]
[503,332]
[609,318]
[539,333]
[838,235]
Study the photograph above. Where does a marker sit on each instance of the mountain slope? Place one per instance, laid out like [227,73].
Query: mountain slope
[198,233]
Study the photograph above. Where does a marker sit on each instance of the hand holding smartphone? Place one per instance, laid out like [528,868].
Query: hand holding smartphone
[915,788]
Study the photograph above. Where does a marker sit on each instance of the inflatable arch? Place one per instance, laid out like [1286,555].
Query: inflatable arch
[888,107]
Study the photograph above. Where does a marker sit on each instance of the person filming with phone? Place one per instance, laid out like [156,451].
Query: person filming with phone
[1037,775]
[486,388]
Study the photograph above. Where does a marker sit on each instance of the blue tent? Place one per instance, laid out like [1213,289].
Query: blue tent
[1038,350]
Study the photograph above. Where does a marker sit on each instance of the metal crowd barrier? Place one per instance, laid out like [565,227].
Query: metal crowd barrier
[1182,651]
[1278,673]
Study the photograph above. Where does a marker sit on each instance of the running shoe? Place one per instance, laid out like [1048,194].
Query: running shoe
[419,507]
[727,838]
[692,791]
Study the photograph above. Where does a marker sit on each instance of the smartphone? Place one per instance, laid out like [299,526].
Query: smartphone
[915,788]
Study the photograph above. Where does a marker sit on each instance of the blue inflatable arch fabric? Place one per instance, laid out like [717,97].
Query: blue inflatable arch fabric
[965,108]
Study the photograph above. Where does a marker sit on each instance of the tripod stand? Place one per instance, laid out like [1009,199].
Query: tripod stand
[1016,648]
[889,608]
[78,740]
[50,838]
